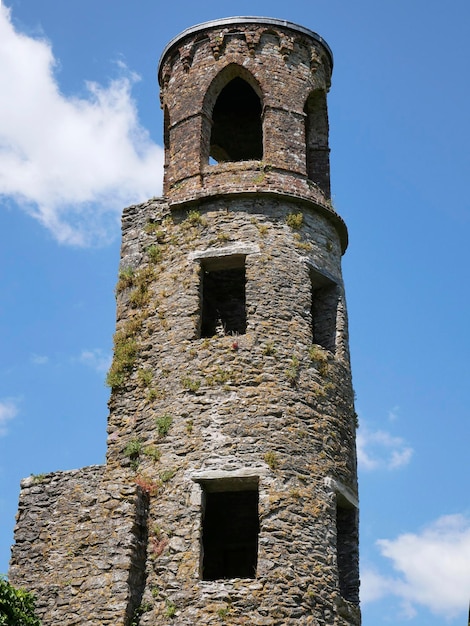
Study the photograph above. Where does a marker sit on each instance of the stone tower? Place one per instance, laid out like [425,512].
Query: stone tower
[230,490]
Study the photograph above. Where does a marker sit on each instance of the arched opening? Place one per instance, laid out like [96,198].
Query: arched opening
[316,138]
[237,133]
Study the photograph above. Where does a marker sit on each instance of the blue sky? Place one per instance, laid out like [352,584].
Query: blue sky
[81,137]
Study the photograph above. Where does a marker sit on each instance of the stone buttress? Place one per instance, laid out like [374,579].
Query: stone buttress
[229,493]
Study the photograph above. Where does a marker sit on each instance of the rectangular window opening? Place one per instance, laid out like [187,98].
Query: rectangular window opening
[230,529]
[223,296]
[324,305]
[347,548]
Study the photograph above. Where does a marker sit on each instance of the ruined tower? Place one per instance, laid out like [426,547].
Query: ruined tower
[230,490]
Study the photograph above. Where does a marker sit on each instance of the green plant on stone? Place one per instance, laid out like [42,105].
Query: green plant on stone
[269,349]
[170,610]
[292,372]
[295,220]
[37,478]
[133,449]
[125,354]
[167,475]
[220,377]
[258,179]
[194,218]
[153,394]
[302,245]
[152,452]
[145,607]
[317,353]
[144,376]
[189,426]
[191,384]
[320,356]
[157,531]
[154,228]
[139,296]
[163,424]
[155,253]
[125,279]
[131,328]
[271,459]
[145,275]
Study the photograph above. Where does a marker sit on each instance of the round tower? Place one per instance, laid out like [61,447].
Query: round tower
[232,405]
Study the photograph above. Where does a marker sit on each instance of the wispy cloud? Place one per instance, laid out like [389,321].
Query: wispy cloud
[71,162]
[96,359]
[39,359]
[433,569]
[8,410]
[381,450]
[393,413]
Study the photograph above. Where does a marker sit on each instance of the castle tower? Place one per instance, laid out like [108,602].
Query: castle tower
[232,425]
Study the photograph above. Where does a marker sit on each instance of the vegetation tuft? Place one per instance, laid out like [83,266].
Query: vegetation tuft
[295,220]
[125,354]
[163,424]
[271,459]
[17,606]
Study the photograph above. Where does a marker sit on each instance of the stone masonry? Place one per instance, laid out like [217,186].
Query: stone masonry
[229,494]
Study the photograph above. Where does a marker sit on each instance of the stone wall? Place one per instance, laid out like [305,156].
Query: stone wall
[265,404]
[80,546]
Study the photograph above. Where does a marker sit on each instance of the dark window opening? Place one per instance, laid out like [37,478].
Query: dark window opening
[324,311]
[316,138]
[237,133]
[230,528]
[166,135]
[347,549]
[223,297]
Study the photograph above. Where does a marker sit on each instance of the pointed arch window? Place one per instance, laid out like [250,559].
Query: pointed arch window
[237,133]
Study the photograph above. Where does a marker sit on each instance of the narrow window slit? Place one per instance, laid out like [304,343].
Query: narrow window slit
[316,137]
[347,551]
[324,306]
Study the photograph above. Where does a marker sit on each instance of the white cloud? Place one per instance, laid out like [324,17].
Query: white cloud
[96,359]
[374,586]
[381,450]
[433,569]
[8,410]
[393,413]
[39,359]
[72,163]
